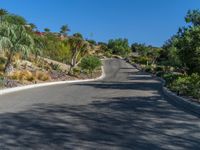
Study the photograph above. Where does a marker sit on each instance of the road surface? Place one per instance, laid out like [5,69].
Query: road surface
[125,111]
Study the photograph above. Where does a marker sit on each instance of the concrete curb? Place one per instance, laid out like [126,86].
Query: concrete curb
[180,101]
[21,88]
[177,100]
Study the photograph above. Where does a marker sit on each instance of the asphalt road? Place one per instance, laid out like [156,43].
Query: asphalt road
[125,111]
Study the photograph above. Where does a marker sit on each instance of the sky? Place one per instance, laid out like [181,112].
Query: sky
[144,21]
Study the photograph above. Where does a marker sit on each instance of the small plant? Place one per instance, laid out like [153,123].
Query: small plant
[187,85]
[24,75]
[90,63]
[76,71]
[55,67]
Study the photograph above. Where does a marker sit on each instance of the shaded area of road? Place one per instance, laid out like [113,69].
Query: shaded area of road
[124,111]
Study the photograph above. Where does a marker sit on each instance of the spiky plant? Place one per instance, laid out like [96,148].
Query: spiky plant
[14,39]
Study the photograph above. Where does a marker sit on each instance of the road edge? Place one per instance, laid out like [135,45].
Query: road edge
[32,86]
[178,100]
[184,103]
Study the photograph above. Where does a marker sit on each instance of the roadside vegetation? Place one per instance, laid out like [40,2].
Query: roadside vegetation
[29,56]
[177,61]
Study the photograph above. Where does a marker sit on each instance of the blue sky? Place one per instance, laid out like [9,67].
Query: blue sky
[145,21]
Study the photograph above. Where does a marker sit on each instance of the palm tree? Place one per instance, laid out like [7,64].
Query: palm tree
[3,12]
[64,29]
[14,38]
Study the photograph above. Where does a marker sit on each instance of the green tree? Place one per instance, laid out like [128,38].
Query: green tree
[14,38]
[193,16]
[170,52]
[188,46]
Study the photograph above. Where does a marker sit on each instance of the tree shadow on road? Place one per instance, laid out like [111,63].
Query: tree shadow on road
[134,123]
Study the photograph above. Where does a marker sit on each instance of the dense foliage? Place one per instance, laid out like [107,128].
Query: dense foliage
[90,63]
[178,61]
[119,47]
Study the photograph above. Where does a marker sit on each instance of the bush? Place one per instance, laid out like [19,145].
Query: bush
[171,77]
[90,63]
[188,85]
[56,67]
[23,76]
[42,76]
[181,85]
[76,71]
[142,60]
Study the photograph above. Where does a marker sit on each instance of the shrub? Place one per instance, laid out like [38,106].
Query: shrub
[171,77]
[187,85]
[42,76]
[90,63]
[76,71]
[55,67]
[181,85]
[142,60]
[24,75]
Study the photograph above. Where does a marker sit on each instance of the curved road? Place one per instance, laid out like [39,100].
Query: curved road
[125,111]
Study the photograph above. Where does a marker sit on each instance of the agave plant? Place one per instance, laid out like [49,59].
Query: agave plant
[14,39]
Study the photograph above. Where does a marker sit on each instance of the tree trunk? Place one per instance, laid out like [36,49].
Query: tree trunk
[73,62]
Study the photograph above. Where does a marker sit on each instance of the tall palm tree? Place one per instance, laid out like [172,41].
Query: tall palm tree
[64,29]
[14,38]
[3,12]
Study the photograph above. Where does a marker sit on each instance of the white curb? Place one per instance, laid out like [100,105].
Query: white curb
[16,89]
